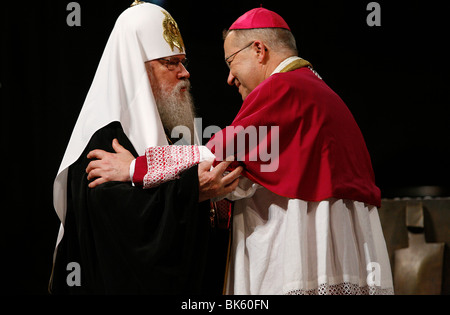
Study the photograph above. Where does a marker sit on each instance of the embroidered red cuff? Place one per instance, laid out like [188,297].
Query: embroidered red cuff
[165,163]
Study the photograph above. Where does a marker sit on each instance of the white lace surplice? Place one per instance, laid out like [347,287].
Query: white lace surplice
[291,246]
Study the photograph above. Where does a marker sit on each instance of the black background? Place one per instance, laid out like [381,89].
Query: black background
[394,78]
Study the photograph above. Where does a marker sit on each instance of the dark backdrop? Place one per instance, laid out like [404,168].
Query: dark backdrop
[394,78]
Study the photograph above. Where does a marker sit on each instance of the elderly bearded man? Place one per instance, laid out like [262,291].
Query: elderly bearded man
[125,239]
[310,224]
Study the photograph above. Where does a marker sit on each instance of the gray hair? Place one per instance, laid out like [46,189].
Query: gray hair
[278,39]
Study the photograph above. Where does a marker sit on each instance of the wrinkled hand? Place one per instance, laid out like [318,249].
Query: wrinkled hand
[109,166]
[213,183]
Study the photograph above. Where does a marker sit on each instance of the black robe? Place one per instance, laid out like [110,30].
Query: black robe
[129,240]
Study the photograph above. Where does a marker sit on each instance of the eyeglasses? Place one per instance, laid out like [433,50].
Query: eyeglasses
[227,59]
[173,63]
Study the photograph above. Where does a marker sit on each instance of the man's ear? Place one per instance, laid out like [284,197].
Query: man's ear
[261,50]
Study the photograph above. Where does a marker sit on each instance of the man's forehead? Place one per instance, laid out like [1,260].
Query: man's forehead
[227,44]
[229,38]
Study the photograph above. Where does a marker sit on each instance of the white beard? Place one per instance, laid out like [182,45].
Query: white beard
[176,108]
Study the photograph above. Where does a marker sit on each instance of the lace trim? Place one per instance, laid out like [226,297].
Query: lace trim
[343,289]
[165,163]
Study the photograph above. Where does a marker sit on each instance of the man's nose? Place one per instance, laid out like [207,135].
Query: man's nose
[231,78]
[183,74]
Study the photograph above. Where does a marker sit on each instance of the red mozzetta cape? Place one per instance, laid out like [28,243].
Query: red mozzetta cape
[322,153]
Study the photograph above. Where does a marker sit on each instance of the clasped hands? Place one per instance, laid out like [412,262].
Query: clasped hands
[116,167]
